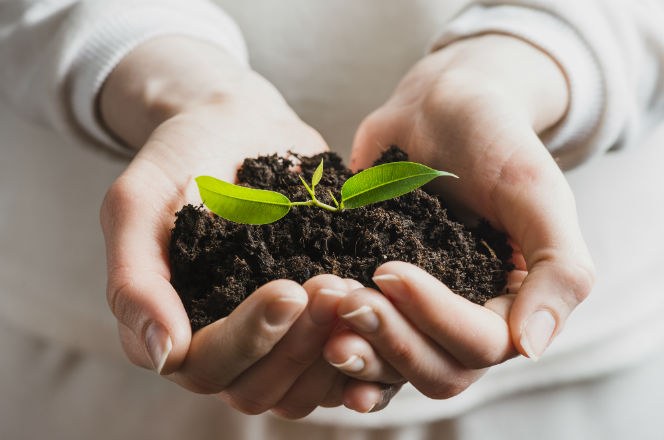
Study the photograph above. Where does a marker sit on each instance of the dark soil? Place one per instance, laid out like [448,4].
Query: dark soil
[216,263]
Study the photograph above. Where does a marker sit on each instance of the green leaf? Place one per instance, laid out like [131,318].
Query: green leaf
[306,186]
[384,182]
[318,174]
[241,204]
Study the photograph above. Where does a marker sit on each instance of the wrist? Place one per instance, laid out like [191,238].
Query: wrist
[168,76]
[511,69]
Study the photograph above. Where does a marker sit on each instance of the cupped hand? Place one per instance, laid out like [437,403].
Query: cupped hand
[267,353]
[474,108]
[420,331]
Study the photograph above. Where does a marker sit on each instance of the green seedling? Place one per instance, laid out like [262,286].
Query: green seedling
[257,206]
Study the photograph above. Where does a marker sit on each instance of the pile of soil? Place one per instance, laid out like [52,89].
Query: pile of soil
[215,263]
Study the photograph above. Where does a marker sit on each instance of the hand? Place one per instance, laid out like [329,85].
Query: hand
[266,354]
[474,108]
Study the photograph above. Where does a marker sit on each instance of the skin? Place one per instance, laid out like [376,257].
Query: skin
[185,122]
[470,109]
[466,108]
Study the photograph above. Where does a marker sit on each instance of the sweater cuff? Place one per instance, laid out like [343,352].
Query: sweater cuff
[561,42]
[111,38]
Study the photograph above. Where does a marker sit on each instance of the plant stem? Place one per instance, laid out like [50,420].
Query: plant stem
[334,199]
[316,202]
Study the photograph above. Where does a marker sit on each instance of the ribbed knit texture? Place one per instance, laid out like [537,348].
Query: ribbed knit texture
[559,40]
[57,54]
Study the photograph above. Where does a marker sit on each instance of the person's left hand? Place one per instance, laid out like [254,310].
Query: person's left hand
[474,108]
[420,331]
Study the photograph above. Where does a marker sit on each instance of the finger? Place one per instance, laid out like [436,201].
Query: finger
[475,335]
[517,256]
[365,397]
[335,397]
[221,351]
[352,284]
[308,391]
[417,357]
[154,325]
[514,281]
[536,206]
[325,292]
[300,348]
[354,356]
[550,292]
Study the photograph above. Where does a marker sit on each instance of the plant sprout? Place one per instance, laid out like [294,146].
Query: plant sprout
[257,206]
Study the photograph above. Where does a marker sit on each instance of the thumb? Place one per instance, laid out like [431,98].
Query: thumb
[536,206]
[555,285]
[154,327]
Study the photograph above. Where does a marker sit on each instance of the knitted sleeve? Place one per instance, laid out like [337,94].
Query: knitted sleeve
[55,55]
[611,52]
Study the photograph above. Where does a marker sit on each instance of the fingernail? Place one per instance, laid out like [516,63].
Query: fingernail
[537,333]
[363,319]
[284,310]
[323,308]
[392,286]
[158,344]
[353,364]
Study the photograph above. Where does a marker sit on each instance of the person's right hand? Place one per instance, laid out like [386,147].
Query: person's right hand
[267,353]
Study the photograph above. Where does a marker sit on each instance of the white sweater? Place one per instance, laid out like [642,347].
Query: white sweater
[54,56]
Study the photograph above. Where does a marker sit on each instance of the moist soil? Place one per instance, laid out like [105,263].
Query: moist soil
[215,263]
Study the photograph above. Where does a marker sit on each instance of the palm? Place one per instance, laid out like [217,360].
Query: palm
[506,175]
[138,212]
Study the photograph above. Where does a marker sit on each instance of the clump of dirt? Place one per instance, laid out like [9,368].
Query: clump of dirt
[215,263]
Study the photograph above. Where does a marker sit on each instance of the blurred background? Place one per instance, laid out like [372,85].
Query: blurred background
[51,250]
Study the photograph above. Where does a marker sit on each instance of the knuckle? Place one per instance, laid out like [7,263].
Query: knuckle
[119,297]
[119,194]
[585,281]
[579,278]
[256,340]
